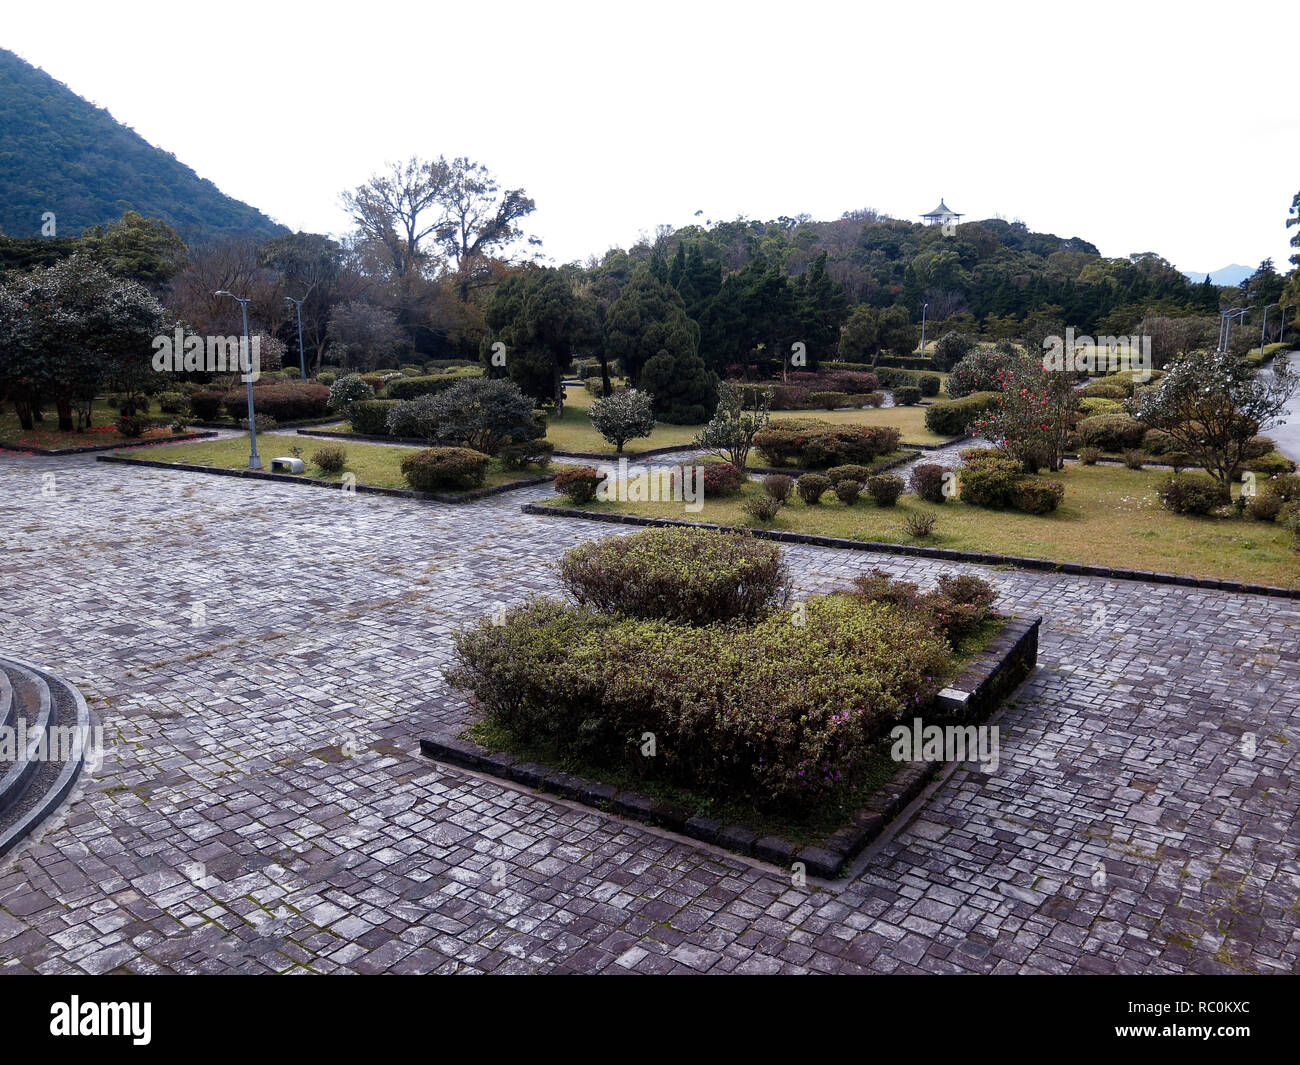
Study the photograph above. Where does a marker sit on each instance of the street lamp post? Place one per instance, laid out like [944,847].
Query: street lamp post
[254,460]
[924,307]
[302,359]
[1282,328]
[1264,326]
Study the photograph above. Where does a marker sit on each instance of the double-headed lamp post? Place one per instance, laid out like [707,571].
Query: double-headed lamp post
[302,359]
[1281,332]
[254,460]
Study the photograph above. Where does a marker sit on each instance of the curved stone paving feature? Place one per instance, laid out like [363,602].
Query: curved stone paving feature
[264,659]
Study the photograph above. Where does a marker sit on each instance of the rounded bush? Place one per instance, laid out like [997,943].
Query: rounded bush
[927,481]
[1135,458]
[885,489]
[836,474]
[207,404]
[1089,455]
[1193,493]
[778,486]
[416,418]
[331,458]
[990,483]
[721,479]
[690,576]
[907,396]
[370,416]
[1037,495]
[847,492]
[1111,432]
[811,487]
[348,390]
[436,468]
[1265,506]
[1285,486]
[131,425]
[951,417]
[579,483]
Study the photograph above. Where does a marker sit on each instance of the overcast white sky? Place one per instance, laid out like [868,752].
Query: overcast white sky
[1139,126]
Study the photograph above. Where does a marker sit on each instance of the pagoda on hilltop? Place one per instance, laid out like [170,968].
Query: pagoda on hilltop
[942,215]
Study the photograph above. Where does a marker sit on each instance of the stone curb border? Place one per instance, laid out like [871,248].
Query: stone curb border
[1006,661]
[1073,569]
[102,447]
[315,482]
[62,785]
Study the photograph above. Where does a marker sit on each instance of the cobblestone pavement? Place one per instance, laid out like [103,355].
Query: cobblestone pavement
[264,658]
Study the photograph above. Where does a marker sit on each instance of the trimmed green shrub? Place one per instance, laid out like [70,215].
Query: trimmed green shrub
[579,483]
[951,417]
[595,683]
[778,486]
[436,468]
[1089,455]
[326,378]
[885,488]
[431,385]
[847,492]
[1101,390]
[207,405]
[1111,432]
[929,383]
[1193,493]
[370,417]
[131,425]
[1135,458]
[907,396]
[1091,407]
[1158,442]
[928,480]
[811,487]
[828,400]
[836,474]
[689,576]
[1037,495]
[331,458]
[990,483]
[818,445]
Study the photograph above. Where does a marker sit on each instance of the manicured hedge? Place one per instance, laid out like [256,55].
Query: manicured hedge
[410,387]
[780,713]
[951,417]
[370,416]
[284,401]
[436,468]
[691,576]
[818,445]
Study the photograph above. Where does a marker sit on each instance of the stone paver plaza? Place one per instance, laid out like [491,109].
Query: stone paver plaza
[264,659]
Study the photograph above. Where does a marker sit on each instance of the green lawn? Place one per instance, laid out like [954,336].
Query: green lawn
[373,464]
[573,432]
[1110,517]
